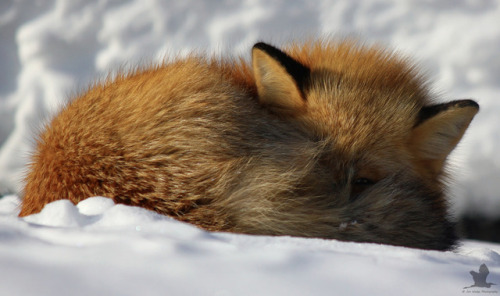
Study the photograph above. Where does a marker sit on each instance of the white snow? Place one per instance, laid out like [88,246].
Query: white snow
[51,49]
[98,248]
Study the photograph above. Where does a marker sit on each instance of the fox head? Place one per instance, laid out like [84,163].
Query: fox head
[385,143]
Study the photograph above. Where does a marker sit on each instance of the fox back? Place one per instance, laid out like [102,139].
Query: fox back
[321,139]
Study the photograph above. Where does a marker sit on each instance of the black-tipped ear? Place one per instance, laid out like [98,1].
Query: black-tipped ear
[280,79]
[438,130]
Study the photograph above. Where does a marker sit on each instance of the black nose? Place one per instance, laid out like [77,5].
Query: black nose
[449,238]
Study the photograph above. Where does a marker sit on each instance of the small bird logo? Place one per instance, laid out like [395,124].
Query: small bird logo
[480,278]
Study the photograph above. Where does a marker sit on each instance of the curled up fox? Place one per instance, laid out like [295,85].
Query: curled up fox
[318,139]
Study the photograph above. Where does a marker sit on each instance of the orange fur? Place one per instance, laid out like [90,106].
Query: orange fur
[323,139]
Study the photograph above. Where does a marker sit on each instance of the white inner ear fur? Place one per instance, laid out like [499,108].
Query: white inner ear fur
[275,86]
[436,137]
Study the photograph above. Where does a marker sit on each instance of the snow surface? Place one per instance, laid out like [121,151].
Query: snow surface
[51,49]
[98,248]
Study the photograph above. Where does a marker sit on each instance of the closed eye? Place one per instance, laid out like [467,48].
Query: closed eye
[363,182]
[359,185]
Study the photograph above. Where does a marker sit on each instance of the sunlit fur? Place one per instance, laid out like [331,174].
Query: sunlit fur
[192,139]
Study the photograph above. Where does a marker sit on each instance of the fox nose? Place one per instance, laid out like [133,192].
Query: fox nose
[449,237]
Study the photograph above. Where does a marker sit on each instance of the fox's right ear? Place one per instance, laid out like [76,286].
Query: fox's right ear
[439,129]
[280,79]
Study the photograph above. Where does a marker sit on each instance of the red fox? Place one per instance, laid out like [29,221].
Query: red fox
[320,139]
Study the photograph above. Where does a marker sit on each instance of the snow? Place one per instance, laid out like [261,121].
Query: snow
[51,49]
[98,248]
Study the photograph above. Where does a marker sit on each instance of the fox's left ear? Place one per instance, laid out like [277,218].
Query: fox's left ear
[280,79]
[438,131]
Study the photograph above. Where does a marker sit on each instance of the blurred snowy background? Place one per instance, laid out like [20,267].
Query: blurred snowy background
[51,49]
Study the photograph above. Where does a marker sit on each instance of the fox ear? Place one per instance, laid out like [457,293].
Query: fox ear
[439,129]
[280,79]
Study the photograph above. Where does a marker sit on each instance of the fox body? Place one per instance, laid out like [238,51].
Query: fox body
[322,139]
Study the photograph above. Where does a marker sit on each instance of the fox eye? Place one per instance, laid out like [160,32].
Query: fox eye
[363,182]
[359,185]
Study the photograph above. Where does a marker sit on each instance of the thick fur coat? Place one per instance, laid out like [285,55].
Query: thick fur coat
[321,139]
